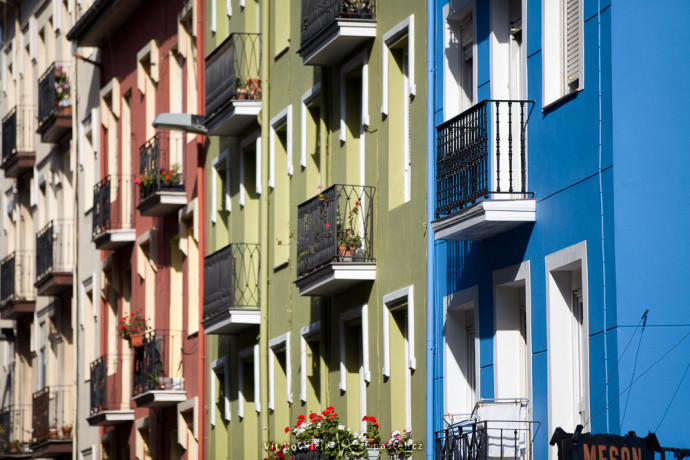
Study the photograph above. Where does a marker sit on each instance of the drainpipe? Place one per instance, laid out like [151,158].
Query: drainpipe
[200,147]
[430,259]
[263,223]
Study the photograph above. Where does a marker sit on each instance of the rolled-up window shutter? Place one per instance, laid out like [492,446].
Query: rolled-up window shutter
[572,43]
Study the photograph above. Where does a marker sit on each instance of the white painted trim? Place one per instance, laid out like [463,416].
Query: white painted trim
[307,99]
[554,262]
[243,145]
[221,160]
[245,353]
[406,27]
[277,344]
[452,302]
[214,16]
[343,318]
[228,8]
[283,118]
[363,60]
[389,301]
[515,274]
[225,365]
[258,165]
[305,333]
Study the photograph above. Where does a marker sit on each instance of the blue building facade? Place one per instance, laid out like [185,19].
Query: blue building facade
[557,213]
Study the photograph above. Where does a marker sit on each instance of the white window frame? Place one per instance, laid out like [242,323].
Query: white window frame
[362,59]
[345,317]
[190,405]
[221,160]
[284,118]
[308,98]
[554,61]
[214,17]
[306,333]
[452,105]
[451,302]
[390,301]
[252,351]
[554,262]
[282,342]
[394,35]
[224,364]
[252,138]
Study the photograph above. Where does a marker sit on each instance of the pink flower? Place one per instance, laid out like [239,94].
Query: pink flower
[328,225]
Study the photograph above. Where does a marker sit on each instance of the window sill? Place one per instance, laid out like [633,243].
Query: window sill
[561,100]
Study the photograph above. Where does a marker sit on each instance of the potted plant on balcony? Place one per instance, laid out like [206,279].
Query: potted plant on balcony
[133,327]
[399,446]
[53,431]
[373,437]
[63,99]
[14,446]
[322,436]
[169,178]
[254,88]
[355,8]
[67,430]
[278,451]
[240,90]
[349,239]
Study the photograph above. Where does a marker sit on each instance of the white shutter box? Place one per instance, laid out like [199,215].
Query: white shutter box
[572,41]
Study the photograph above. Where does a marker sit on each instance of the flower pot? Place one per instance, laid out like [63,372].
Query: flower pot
[345,253]
[67,431]
[241,94]
[254,87]
[403,456]
[136,340]
[14,449]
[373,453]
[53,432]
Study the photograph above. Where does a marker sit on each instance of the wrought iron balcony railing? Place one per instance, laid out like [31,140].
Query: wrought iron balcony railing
[54,93]
[480,153]
[112,204]
[15,429]
[319,14]
[54,248]
[231,278]
[16,277]
[232,71]
[160,165]
[158,363]
[482,440]
[337,225]
[106,395]
[52,410]
[18,130]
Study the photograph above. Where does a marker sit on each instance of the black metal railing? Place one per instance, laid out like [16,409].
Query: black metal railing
[157,167]
[51,412]
[157,361]
[105,393]
[54,93]
[231,278]
[481,440]
[482,152]
[54,248]
[18,131]
[112,204]
[337,225]
[16,276]
[319,14]
[233,71]
[15,432]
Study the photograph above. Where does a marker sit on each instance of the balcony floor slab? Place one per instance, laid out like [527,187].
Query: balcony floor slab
[332,45]
[56,127]
[114,239]
[232,321]
[234,118]
[485,219]
[52,448]
[18,163]
[110,417]
[160,398]
[54,283]
[162,203]
[336,277]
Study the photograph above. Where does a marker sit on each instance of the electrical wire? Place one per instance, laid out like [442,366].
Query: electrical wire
[674,397]
[632,377]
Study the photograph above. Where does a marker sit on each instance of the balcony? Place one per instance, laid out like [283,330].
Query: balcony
[109,404]
[54,253]
[15,431]
[231,289]
[101,21]
[112,218]
[160,181]
[481,172]
[18,149]
[495,430]
[158,380]
[233,87]
[333,29]
[52,422]
[54,104]
[17,293]
[335,248]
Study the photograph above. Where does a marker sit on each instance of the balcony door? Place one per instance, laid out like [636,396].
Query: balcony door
[459,87]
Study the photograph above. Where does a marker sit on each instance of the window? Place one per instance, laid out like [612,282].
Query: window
[460,353]
[248,395]
[250,149]
[280,159]
[398,91]
[310,146]
[187,433]
[567,337]
[562,48]
[354,362]
[220,389]
[458,62]
[221,165]
[354,119]
[310,366]
[279,377]
[398,334]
